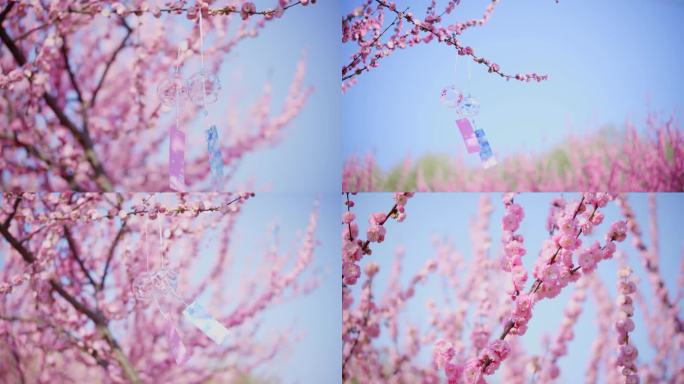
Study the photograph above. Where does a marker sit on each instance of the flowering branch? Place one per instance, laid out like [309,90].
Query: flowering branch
[354,249]
[368,19]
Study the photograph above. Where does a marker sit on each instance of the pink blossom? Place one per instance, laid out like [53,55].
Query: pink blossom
[442,354]
[376,233]
[348,217]
[248,9]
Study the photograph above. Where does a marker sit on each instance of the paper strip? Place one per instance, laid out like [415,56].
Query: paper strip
[469,138]
[215,159]
[180,353]
[486,153]
[177,160]
[201,319]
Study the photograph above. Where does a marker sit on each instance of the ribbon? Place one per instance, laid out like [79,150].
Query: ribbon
[215,160]
[486,154]
[177,140]
[469,138]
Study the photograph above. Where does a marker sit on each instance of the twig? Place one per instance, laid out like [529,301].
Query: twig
[35,152]
[15,206]
[365,323]
[358,54]
[70,71]
[74,251]
[109,63]
[110,255]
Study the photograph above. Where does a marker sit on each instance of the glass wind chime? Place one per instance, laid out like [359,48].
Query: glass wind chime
[467,108]
[159,286]
[202,89]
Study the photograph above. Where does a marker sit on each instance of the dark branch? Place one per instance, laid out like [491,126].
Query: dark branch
[15,207]
[75,252]
[35,152]
[70,71]
[110,255]
[5,11]
[109,63]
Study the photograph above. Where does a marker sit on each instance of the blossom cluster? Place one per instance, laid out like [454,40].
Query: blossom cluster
[627,352]
[246,9]
[513,245]
[362,324]
[554,268]
[559,347]
[353,248]
[366,25]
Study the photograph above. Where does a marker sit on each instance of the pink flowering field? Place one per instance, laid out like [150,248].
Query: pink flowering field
[512,288]
[613,159]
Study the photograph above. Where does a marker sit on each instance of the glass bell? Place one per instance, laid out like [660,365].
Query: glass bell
[155,284]
[171,89]
[203,88]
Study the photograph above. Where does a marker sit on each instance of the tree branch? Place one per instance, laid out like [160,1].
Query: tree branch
[110,255]
[6,11]
[109,63]
[15,206]
[35,152]
[72,76]
[74,251]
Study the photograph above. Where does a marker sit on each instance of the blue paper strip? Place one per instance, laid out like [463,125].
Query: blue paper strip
[206,323]
[215,159]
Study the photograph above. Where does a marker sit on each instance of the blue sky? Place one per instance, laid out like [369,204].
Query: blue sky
[308,160]
[607,61]
[316,316]
[449,214]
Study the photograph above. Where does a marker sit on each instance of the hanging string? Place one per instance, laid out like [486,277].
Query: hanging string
[204,78]
[147,249]
[469,75]
[178,61]
[177,136]
[213,144]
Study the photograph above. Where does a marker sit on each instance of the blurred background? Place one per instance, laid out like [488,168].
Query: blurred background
[308,158]
[450,216]
[313,319]
[607,62]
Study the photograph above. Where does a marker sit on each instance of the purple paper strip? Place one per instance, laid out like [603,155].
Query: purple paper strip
[468,135]
[177,160]
[180,353]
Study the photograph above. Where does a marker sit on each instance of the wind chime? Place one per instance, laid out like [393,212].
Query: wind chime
[467,108]
[160,286]
[202,89]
